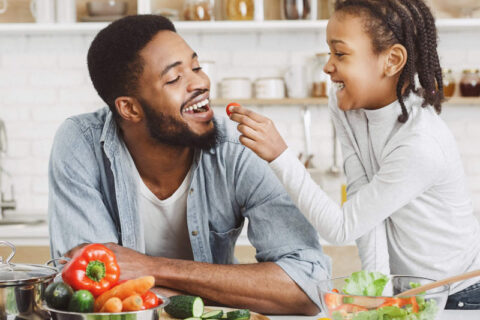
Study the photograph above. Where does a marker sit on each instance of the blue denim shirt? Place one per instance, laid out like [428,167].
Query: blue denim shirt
[93,199]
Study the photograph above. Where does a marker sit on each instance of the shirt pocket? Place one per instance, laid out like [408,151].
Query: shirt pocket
[222,245]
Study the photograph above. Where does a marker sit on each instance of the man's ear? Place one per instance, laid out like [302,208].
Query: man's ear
[129,109]
[396,59]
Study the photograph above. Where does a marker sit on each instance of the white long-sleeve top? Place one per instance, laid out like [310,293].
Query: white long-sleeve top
[408,206]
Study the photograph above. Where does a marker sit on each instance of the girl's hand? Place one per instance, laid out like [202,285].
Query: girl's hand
[258,133]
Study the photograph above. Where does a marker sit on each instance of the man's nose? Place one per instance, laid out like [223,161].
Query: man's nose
[198,81]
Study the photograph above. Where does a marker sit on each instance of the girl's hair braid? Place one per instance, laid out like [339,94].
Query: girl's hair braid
[410,23]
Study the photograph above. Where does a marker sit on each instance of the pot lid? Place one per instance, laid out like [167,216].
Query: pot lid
[18,273]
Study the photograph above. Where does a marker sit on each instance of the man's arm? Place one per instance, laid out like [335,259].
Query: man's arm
[261,287]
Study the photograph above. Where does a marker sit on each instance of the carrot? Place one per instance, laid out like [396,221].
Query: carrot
[132,303]
[112,305]
[126,289]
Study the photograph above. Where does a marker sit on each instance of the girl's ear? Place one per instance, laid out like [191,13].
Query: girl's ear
[396,59]
[129,109]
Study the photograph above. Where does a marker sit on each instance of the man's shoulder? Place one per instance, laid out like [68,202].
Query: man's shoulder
[90,120]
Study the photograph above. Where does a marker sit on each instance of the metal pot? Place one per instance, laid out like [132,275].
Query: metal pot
[22,287]
[149,314]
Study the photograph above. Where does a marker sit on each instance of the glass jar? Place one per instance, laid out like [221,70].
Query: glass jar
[296,9]
[470,83]
[319,77]
[240,9]
[448,83]
[198,10]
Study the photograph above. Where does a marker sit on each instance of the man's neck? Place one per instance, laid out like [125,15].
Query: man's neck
[161,167]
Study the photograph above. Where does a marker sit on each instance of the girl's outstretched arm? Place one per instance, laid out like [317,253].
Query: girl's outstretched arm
[258,133]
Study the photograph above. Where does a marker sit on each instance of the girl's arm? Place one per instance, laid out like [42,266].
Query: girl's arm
[406,172]
[373,246]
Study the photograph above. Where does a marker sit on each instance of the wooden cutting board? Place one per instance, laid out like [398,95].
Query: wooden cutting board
[253,315]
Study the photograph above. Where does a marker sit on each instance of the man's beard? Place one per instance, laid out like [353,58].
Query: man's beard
[166,129]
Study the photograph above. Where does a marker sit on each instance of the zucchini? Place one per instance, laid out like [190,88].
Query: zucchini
[58,295]
[241,314]
[193,318]
[82,301]
[185,307]
[215,314]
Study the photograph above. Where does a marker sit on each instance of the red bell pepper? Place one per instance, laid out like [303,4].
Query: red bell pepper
[93,268]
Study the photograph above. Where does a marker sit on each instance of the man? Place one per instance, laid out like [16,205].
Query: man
[168,187]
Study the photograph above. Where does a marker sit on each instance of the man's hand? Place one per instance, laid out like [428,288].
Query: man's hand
[132,263]
[70,253]
[258,133]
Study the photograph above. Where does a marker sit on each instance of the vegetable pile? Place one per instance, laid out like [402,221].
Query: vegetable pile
[361,299]
[91,284]
[191,308]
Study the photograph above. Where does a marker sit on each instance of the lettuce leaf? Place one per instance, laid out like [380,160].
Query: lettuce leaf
[364,283]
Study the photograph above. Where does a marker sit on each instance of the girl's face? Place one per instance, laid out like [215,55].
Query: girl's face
[356,71]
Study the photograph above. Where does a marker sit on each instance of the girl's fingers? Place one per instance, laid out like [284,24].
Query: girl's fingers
[243,119]
[246,112]
[247,142]
[248,132]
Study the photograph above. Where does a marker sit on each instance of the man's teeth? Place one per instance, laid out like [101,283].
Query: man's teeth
[197,106]
[339,85]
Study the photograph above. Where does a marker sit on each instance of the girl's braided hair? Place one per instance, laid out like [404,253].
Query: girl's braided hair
[411,24]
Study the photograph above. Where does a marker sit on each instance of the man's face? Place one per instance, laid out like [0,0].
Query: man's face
[174,94]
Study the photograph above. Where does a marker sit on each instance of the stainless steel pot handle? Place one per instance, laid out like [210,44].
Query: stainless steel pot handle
[10,257]
[57,259]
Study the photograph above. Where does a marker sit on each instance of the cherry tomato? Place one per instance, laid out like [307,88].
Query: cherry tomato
[234,104]
[150,300]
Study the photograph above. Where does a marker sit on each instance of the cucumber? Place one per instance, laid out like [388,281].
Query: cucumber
[216,314]
[185,307]
[82,301]
[241,314]
[193,318]
[58,295]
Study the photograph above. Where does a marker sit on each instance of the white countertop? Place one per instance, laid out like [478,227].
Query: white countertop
[446,315]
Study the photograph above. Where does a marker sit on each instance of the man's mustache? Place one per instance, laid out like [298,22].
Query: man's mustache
[194,95]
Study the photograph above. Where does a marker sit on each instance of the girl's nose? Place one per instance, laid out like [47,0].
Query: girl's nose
[329,67]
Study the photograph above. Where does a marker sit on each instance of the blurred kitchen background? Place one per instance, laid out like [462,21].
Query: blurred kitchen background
[267,54]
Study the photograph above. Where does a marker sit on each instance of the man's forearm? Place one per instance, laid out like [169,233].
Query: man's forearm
[262,287]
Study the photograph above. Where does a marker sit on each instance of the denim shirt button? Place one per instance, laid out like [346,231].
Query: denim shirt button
[191,190]
[194,233]
[461,304]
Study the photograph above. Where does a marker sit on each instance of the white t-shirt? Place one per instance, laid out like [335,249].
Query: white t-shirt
[408,206]
[165,221]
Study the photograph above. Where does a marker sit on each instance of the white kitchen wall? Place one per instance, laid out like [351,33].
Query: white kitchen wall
[44,79]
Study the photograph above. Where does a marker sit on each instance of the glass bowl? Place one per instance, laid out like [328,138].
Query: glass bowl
[341,306]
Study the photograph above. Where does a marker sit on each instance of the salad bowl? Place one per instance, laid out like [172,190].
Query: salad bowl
[372,296]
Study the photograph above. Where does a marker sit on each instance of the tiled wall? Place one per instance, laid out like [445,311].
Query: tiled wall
[43,80]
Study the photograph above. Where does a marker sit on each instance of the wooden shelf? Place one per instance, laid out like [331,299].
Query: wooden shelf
[456,101]
[272,102]
[444,25]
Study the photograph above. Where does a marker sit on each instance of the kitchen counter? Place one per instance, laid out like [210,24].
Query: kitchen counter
[446,315]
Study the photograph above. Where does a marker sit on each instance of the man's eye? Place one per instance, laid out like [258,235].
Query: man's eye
[174,80]
[197,69]
[338,54]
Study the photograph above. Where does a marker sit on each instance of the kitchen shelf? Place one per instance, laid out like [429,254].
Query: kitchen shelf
[455,101]
[444,25]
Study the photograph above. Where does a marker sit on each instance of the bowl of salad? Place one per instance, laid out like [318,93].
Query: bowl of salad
[372,296]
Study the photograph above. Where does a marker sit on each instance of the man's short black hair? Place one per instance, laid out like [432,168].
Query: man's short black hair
[113,59]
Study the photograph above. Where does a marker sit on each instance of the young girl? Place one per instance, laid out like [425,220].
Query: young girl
[408,207]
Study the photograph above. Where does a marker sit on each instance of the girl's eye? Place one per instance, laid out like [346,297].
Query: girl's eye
[174,80]
[197,69]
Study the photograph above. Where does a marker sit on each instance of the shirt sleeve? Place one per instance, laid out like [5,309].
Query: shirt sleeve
[373,245]
[276,228]
[77,212]
[406,172]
